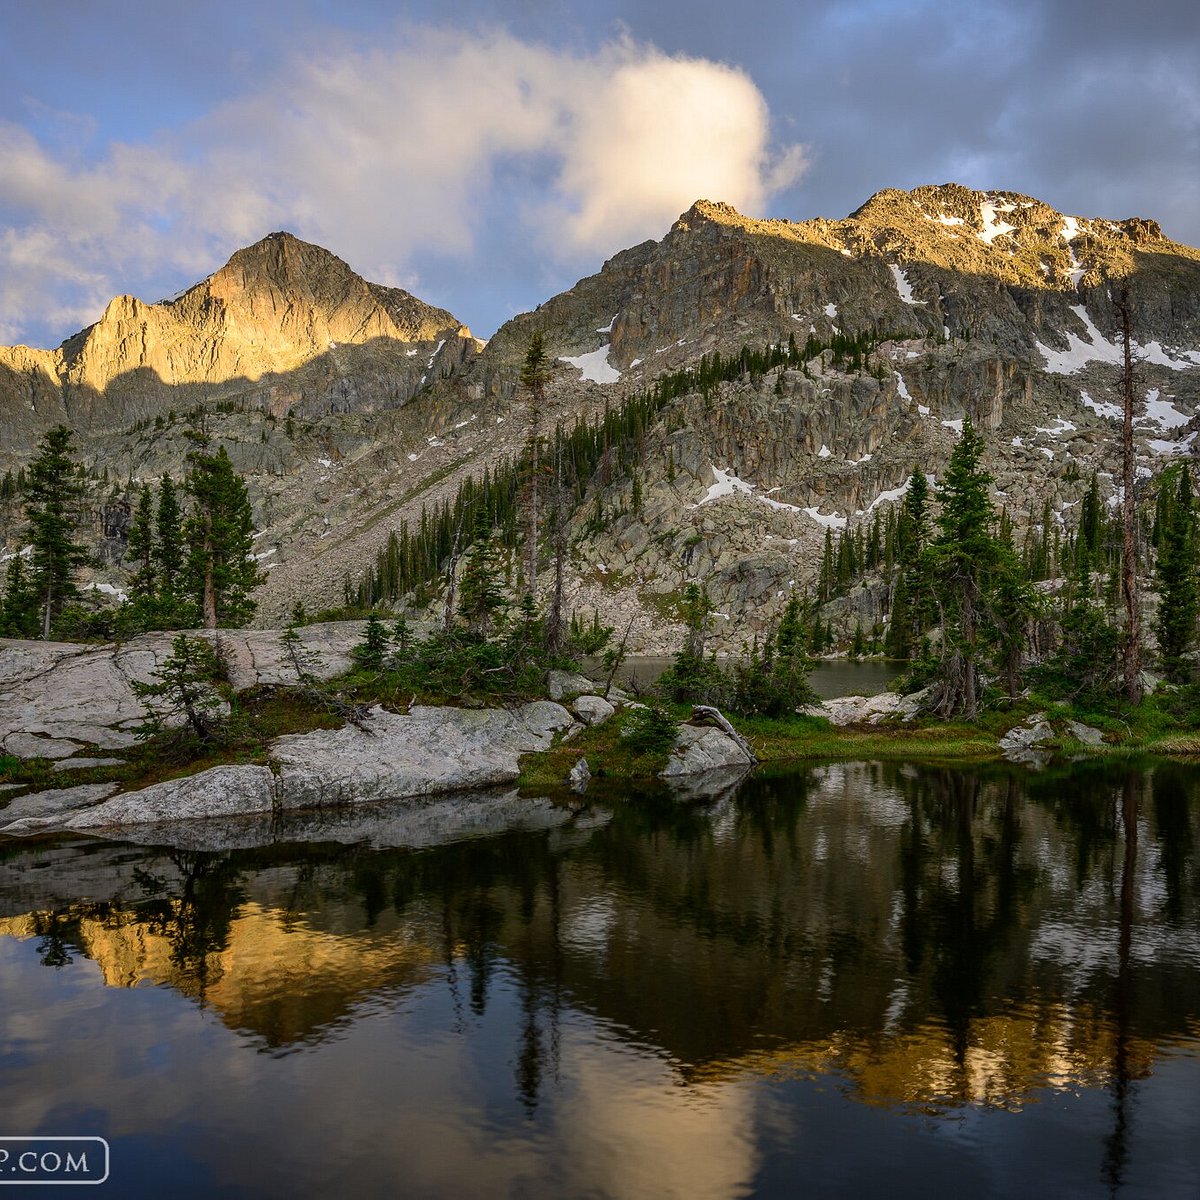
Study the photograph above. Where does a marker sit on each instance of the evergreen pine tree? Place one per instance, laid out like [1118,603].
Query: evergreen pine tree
[977,578]
[140,547]
[52,499]
[219,532]
[169,543]
[481,597]
[1176,573]
[535,374]
[19,608]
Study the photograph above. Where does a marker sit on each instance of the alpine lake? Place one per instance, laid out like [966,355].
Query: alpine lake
[853,979]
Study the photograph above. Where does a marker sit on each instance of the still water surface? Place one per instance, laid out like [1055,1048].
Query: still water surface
[850,980]
[829,677]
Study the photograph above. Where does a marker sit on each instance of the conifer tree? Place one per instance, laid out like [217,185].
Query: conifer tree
[140,547]
[535,374]
[19,609]
[481,597]
[219,533]
[910,597]
[168,540]
[1176,573]
[53,496]
[983,600]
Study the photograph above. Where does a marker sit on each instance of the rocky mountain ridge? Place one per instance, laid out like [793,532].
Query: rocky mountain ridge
[284,325]
[992,305]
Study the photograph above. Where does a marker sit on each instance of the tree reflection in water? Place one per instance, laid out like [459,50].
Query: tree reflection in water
[926,935]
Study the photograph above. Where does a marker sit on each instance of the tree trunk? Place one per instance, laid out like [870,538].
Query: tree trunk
[1131,651]
[535,405]
[970,700]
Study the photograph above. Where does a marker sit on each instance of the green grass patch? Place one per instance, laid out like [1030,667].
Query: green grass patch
[609,757]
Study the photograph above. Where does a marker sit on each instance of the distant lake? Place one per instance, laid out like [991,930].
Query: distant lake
[829,677]
[850,980]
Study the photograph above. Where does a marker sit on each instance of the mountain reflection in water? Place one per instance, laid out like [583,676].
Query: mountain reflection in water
[661,1000]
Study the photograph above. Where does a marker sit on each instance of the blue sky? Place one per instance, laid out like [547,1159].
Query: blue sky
[487,155]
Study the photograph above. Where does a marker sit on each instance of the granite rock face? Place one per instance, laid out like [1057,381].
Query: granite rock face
[868,710]
[424,752]
[58,697]
[284,321]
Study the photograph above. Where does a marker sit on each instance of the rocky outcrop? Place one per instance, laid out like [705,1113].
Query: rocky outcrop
[991,305]
[424,752]
[58,698]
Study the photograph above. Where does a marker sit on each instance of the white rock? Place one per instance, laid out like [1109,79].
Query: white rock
[702,748]
[593,710]
[218,792]
[56,800]
[568,683]
[867,710]
[427,750]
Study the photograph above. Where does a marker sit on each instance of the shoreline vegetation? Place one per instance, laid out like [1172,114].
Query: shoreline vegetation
[259,715]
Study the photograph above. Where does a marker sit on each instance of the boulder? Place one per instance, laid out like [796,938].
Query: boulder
[568,683]
[58,697]
[868,710]
[1020,744]
[55,800]
[703,748]
[1086,734]
[592,710]
[579,775]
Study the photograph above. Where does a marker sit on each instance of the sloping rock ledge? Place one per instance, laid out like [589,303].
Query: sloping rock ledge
[425,751]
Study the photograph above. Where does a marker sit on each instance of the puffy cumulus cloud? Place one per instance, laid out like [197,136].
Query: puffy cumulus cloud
[658,133]
[387,156]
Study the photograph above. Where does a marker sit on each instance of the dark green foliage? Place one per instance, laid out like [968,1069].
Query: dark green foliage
[53,497]
[1176,574]
[693,679]
[168,541]
[221,570]
[649,730]
[481,594]
[185,690]
[976,580]
[371,652]
[1086,665]
[140,548]
[911,598]
[589,640]
[157,596]
[771,681]
[19,609]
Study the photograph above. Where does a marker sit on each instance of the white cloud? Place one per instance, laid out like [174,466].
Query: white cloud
[385,154]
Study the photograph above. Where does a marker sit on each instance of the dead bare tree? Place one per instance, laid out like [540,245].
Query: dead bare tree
[535,374]
[1131,648]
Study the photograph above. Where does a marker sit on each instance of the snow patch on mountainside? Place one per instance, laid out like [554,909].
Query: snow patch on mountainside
[993,227]
[903,286]
[1099,349]
[595,366]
